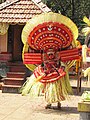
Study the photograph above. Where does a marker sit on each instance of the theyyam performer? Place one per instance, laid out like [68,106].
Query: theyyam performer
[49,45]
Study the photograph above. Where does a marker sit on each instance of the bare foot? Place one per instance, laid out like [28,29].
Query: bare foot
[48,106]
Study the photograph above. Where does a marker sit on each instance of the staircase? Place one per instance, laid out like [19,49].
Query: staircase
[14,78]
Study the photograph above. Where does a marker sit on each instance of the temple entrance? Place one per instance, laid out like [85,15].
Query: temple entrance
[15,44]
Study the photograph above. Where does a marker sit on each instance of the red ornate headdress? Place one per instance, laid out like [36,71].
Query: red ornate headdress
[48,30]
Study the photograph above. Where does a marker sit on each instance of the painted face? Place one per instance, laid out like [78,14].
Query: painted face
[51,56]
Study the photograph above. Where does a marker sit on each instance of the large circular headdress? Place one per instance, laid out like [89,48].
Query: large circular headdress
[49,30]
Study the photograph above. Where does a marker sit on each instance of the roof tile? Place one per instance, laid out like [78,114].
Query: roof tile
[20,11]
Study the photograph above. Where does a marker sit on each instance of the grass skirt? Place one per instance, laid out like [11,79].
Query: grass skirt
[54,91]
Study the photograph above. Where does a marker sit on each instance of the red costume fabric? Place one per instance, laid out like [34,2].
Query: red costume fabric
[50,77]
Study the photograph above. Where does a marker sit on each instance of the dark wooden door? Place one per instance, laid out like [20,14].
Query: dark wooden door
[15,43]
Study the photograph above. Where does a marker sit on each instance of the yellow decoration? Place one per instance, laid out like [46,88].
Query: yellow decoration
[78,44]
[86,30]
[29,66]
[86,72]
[86,20]
[70,64]
[84,51]
[3,28]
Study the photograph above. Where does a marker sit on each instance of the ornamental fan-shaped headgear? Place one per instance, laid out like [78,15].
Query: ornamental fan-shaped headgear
[49,30]
[50,51]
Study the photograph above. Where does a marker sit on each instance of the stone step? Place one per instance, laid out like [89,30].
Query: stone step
[15,77]
[10,88]
[13,81]
[17,63]
[17,69]
[15,74]
[16,66]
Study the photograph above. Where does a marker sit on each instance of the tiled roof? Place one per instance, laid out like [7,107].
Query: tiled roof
[20,11]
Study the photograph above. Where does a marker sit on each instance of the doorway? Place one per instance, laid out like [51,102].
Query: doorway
[15,44]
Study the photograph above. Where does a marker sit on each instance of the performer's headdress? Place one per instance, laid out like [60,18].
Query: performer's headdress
[46,31]
[50,51]
[49,30]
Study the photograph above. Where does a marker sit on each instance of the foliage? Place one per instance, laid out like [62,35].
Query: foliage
[1,1]
[74,9]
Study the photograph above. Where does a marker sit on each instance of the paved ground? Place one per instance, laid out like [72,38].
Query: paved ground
[17,107]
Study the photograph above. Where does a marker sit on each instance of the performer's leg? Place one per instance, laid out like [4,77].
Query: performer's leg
[59,105]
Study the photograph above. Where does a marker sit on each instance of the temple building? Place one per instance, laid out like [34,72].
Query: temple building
[13,16]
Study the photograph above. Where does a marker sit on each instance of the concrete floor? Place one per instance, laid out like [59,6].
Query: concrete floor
[18,107]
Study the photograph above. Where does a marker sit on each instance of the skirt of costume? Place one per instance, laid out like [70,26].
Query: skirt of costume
[55,88]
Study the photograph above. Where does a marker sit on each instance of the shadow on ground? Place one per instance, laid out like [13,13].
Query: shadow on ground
[55,110]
